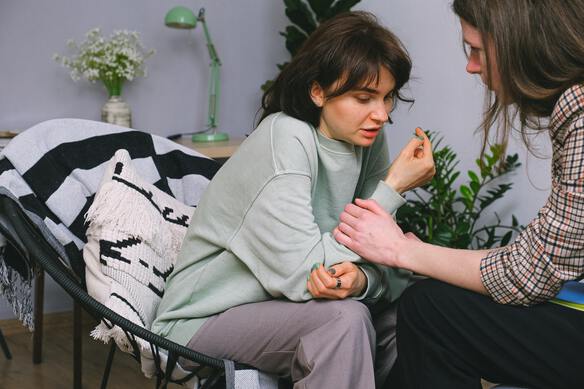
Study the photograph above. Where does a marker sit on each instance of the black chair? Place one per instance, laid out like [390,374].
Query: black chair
[4,346]
[26,239]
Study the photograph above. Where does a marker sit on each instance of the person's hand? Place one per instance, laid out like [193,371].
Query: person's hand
[414,166]
[371,232]
[338,282]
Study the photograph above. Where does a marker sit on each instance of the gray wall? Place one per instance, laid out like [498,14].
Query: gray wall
[173,96]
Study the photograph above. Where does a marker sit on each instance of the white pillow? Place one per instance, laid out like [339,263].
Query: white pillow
[134,235]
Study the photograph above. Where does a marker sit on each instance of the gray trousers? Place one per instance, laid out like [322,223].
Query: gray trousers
[318,344]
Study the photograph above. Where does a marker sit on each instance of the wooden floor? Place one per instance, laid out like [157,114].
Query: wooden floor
[56,370]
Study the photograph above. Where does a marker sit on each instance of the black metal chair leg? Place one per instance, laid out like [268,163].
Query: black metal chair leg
[4,346]
[108,365]
[37,335]
[77,354]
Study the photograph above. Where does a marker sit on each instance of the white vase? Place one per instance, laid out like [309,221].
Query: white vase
[116,111]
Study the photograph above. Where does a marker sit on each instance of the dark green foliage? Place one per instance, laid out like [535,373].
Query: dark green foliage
[294,39]
[305,16]
[439,213]
[299,14]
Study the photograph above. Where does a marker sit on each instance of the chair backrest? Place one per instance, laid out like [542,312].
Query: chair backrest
[49,176]
[23,234]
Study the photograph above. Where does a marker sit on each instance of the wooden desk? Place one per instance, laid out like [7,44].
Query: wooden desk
[216,150]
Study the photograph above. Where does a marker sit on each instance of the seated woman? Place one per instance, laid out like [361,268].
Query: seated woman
[239,289]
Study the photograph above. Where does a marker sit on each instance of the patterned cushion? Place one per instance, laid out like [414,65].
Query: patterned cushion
[134,234]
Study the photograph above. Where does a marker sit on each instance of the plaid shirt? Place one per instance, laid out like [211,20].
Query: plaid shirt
[550,250]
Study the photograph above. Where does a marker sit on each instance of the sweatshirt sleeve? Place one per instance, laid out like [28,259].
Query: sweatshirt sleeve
[382,281]
[279,240]
[374,170]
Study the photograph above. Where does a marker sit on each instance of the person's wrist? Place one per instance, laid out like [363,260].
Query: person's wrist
[394,183]
[361,286]
[403,248]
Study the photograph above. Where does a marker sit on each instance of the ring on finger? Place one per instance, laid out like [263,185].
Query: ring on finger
[338,285]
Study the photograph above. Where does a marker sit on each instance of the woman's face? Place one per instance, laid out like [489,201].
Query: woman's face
[358,115]
[477,57]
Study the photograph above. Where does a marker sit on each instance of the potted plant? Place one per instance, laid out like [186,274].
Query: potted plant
[305,17]
[112,60]
[446,215]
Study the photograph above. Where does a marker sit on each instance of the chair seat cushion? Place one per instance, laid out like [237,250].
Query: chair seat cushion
[134,234]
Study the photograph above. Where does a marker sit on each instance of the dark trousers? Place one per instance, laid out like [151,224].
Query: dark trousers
[448,337]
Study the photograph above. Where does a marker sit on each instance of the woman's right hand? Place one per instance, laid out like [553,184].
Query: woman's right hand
[367,229]
[414,166]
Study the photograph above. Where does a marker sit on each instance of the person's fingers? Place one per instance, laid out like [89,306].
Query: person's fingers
[412,236]
[346,229]
[342,238]
[353,210]
[349,219]
[325,277]
[311,289]
[342,268]
[319,286]
[371,205]
[427,145]
[347,224]
[411,147]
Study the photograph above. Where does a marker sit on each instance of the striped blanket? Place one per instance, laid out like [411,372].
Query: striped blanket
[53,170]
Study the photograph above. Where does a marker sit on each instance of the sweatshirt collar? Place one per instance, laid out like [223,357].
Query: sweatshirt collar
[334,145]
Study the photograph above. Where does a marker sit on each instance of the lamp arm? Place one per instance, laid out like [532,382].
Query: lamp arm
[214,82]
[210,46]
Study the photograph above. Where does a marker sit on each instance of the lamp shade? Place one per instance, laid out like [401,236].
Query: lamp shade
[180,17]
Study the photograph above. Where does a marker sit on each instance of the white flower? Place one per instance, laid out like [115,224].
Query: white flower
[113,60]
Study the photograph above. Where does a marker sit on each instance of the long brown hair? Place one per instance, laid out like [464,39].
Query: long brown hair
[350,48]
[539,49]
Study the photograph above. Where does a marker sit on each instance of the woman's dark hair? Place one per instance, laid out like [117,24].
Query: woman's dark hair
[350,48]
[539,53]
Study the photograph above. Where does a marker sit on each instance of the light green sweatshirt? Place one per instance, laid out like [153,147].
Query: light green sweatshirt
[266,218]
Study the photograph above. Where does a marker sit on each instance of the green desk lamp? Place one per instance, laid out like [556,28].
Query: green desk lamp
[184,18]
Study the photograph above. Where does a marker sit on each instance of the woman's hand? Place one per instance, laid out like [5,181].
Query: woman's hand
[371,232]
[338,282]
[414,166]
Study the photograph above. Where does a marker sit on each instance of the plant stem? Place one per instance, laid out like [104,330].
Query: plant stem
[113,86]
[487,227]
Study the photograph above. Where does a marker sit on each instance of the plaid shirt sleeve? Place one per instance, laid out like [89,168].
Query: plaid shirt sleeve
[550,250]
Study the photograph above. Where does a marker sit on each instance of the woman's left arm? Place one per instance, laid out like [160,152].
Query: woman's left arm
[414,166]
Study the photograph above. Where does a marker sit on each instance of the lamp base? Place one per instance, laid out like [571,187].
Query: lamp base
[210,137]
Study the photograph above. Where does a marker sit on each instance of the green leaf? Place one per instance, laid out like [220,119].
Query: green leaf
[466,193]
[514,221]
[453,178]
[341,6]
[320,8]
[506,238]
[473,176]
[475,186]
[442,238]
[294,38]
[300,15]
[462,228]
[266,85]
